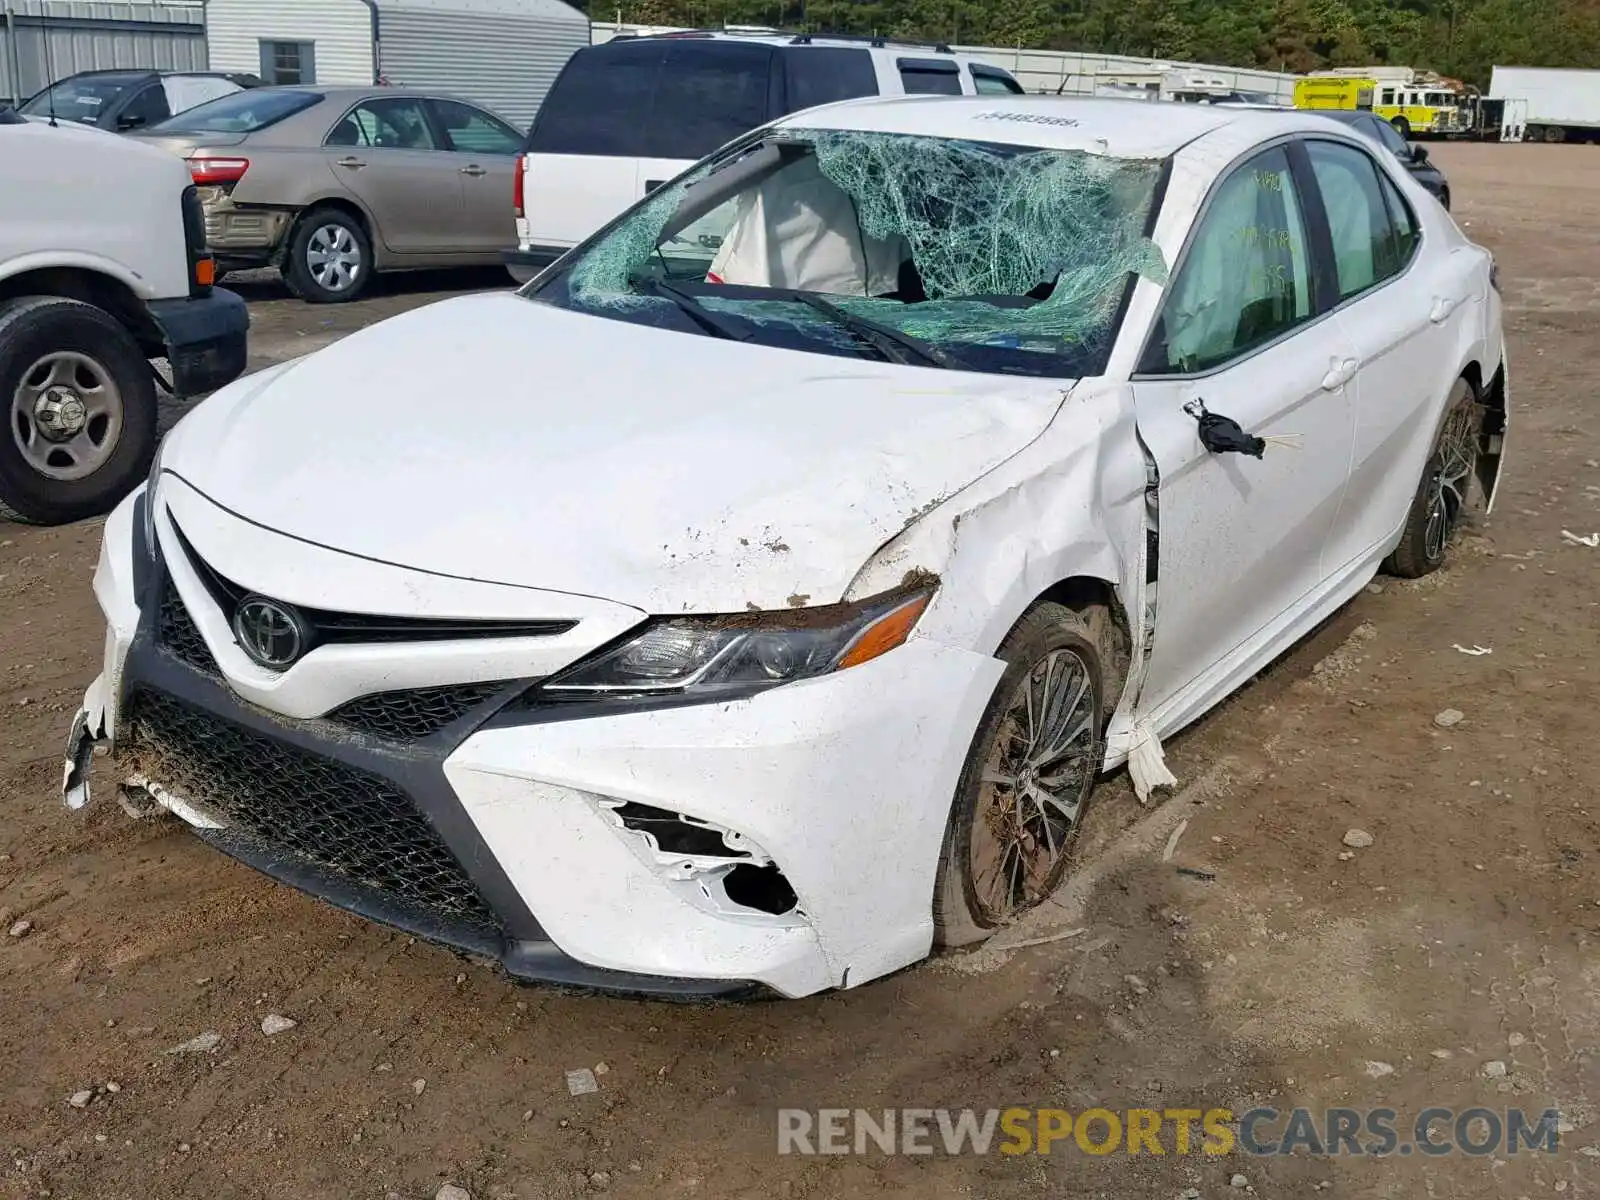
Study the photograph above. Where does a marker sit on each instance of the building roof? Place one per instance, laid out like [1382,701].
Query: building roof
[549,10]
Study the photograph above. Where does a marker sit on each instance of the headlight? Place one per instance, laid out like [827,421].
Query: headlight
[705,656]
[150,498]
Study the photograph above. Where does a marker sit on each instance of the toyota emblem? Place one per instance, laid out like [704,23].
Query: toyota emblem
[273,635]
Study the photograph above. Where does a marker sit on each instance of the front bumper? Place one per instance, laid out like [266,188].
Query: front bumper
[842,785]
[206,339]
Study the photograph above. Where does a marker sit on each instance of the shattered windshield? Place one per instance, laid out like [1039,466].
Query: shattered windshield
[933,251]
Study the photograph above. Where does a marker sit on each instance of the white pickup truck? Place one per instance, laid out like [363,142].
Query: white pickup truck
[103,268]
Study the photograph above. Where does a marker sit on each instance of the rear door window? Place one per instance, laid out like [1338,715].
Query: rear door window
[990,81]
[600,103]
[930,77]
[824,74]
[708,93]
[1366,248]
[474,131]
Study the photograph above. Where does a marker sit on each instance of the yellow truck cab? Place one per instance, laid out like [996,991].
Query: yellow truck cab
[1421,109]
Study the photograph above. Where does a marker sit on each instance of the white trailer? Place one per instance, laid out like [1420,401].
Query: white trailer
[1562,105]
[503,54]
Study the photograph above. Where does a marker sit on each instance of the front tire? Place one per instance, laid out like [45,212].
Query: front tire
[1033,764]
[1445,492]
[80,405]
[329,259]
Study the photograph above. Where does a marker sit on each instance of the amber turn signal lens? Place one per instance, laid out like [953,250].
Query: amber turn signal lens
[205,271]
[884,634]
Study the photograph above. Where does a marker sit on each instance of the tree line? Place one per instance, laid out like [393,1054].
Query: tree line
[1458,38]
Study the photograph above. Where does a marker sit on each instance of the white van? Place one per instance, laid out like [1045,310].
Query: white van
[626,116]
[103,268]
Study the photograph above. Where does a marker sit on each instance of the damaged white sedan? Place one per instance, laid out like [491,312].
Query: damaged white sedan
[756,597]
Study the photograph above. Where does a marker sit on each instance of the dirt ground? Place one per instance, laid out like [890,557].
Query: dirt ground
[1301,974]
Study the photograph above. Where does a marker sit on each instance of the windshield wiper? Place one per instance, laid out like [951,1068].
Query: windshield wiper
[891,343]
[693,309]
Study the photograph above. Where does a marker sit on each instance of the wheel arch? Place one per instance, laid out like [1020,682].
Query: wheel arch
[104,291]
[340,202]
[1083,592]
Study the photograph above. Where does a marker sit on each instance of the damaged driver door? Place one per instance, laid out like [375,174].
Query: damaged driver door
[1243,400]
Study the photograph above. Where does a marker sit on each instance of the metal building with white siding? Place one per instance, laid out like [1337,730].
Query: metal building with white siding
[42,41]
[504,54]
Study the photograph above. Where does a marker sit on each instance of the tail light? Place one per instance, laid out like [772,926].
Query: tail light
[210,172]
[516,185]
[202,267]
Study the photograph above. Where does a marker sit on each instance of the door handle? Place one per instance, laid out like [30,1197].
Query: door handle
[1443,306]
[1340,372]
[473,170]
[355,164]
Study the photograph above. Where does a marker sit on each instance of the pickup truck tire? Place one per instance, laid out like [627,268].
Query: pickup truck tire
[79,400]
[329,259]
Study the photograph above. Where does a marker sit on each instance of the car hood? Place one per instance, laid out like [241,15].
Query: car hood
[499,439]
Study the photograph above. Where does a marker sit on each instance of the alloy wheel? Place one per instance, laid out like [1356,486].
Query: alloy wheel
[1458,460]
[1038,775]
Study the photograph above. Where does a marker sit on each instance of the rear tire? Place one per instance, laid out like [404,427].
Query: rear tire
[1446,490]
[329,259]
[79,401]
[1554,134]
[1024,815]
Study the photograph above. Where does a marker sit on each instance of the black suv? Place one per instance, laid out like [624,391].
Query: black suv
[123,100]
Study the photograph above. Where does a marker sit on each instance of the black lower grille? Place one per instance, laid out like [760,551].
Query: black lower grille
[335,816]
[178,635]
[417,713]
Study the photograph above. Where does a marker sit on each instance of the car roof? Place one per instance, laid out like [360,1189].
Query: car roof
[1113,126]
[350,93]
[777,37]
[149,72]
[110,73]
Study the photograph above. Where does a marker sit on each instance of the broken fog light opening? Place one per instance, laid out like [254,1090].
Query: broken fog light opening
[710,856]
[762,888]
[673,833]
[709,656]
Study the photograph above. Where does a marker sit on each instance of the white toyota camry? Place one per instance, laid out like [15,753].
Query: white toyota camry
[757,596]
